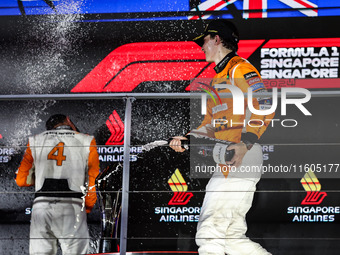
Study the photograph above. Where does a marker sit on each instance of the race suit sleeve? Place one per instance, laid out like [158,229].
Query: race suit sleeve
[93,171]
[246,76]
[25,173]
[206,127]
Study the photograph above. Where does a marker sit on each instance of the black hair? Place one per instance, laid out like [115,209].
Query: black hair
[55,120]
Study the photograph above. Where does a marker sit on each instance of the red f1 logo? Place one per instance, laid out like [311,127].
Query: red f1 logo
[132,64]
[116,127]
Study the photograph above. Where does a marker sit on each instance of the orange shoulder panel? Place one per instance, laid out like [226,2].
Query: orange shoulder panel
[24,174]
[93,171]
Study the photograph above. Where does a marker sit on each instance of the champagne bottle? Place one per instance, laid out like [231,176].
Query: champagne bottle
[208,148]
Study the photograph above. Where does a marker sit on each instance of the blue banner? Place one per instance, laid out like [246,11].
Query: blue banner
[248,8]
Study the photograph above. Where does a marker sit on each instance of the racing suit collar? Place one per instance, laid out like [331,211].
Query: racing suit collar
[223,63]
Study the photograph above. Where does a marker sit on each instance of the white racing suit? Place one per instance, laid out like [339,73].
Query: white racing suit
[222,226]
[60,163]
[60,220]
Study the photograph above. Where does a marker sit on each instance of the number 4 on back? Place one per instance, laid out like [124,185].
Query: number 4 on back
[57,153]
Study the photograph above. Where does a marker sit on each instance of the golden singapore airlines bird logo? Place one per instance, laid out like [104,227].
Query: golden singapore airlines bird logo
[179,187]
[312,186]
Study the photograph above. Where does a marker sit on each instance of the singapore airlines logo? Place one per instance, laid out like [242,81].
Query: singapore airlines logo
[312,186]
[179,187]
[116,128]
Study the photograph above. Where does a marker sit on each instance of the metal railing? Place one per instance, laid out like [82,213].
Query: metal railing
[130,97]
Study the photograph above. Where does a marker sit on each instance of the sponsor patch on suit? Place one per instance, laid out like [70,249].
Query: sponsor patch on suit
[250,75]
[219,108]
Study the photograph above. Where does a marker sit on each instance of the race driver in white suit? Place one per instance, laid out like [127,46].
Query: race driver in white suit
[63,165]
[229,194]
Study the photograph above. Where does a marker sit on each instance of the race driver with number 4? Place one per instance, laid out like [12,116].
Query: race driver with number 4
[62,164]
[222,226]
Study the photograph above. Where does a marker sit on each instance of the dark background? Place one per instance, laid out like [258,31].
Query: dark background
[46,55]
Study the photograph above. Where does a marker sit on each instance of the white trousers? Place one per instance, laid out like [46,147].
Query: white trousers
[222,226]
[60,220]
